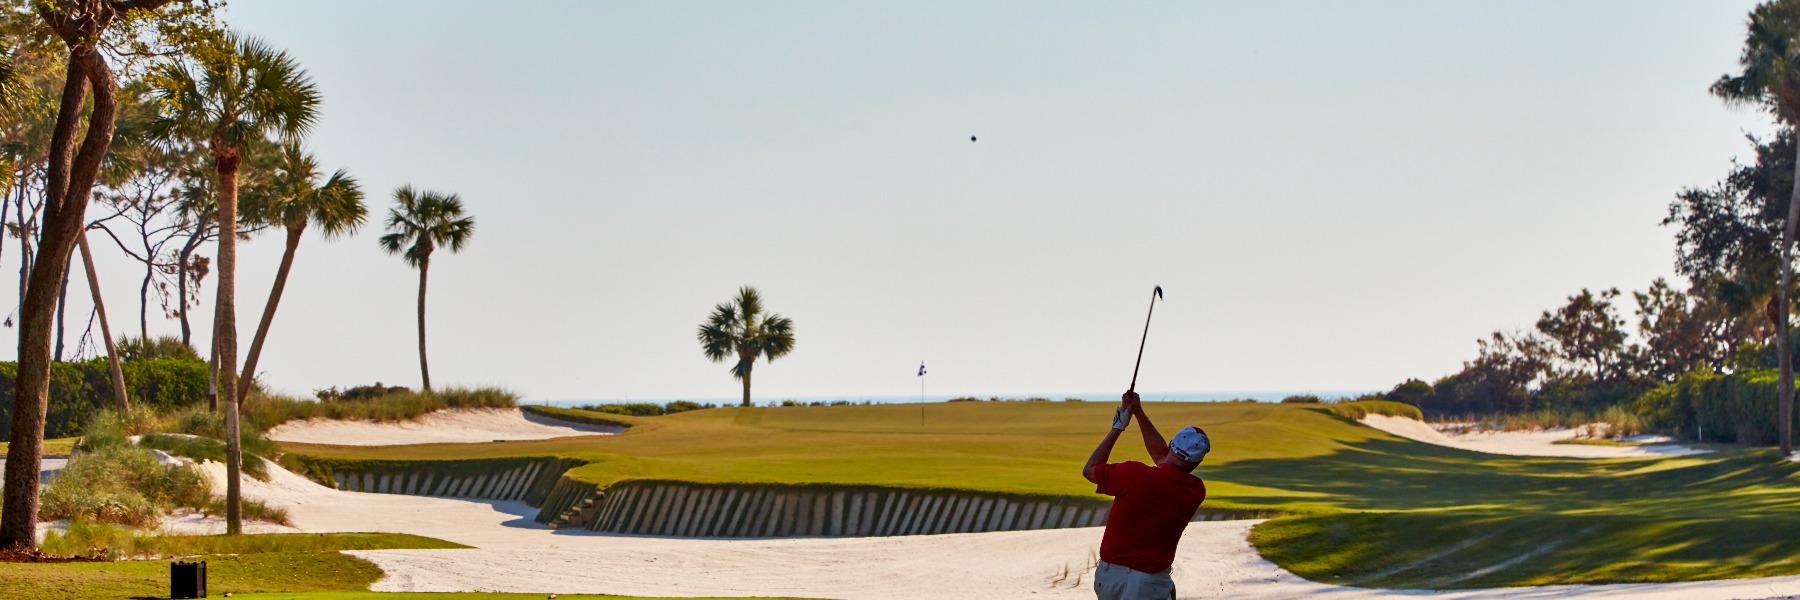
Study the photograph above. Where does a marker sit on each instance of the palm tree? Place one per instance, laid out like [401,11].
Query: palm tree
[739,328]
[232,100]
[1771,80]
[422,223]
[295,199]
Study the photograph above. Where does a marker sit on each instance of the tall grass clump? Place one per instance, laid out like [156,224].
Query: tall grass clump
[266,410]
[110,481]
[1358,409]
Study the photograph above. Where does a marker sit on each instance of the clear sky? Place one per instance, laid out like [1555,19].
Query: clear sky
[1334,195]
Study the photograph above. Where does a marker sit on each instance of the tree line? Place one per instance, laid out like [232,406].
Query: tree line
[154,126]
[1734,240]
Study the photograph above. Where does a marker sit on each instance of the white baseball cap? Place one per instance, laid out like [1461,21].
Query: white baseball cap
[1191,444]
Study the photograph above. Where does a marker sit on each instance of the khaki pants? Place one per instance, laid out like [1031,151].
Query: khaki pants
[1113,582]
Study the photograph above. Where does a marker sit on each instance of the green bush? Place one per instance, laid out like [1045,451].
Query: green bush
[79,390]
[1302,399]
[1737,408]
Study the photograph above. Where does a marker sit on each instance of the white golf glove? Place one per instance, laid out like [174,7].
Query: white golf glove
[1121,418]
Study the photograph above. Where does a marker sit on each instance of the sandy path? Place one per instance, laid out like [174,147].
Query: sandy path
[1517,443]
[513,553]
[454,426]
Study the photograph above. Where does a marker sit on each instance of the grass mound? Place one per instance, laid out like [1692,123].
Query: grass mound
[1361,408]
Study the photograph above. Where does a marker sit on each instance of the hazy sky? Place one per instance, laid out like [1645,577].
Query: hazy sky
[1333,194]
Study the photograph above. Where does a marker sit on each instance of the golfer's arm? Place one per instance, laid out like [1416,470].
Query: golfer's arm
[1153,441]
[1100,455]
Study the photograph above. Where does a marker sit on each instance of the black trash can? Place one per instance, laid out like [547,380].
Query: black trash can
[187,579]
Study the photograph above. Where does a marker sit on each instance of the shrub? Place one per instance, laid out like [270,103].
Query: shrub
[135,349]
[123,485]
[680,406]
[79,390]
[1302,399]
[1411,391]
[965,399]
[1736,408]
[359,392]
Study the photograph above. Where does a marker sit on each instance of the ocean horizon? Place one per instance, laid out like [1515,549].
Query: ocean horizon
[1259,396]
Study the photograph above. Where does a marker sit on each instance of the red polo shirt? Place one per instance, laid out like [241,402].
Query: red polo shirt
[1151,507]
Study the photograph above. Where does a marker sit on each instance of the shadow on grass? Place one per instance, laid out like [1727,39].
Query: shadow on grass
[1532,520]
[1391,475]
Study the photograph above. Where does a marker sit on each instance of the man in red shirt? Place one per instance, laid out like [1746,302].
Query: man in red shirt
[1152,506]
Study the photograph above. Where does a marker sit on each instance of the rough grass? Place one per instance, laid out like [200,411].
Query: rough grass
[264,411]
[1724,514]
[286,572]
[1361,408]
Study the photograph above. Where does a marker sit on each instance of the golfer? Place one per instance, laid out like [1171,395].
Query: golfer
[1152,506]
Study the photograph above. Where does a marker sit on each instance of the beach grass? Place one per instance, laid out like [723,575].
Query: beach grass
[1362,506]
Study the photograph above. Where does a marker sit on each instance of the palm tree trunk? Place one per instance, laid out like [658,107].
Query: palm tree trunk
[69,183]
[746,388]
[225,332]
[268,316]
[424,367]
[112,351]
[1785,342]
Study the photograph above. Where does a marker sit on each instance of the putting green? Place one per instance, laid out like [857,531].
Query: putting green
[1368,508]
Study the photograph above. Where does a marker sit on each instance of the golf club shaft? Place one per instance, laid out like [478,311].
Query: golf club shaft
[1140,357]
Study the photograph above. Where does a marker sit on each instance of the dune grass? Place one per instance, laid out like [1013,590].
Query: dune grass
[1363,505]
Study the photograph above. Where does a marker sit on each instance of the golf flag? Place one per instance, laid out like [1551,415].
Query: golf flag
[921,368]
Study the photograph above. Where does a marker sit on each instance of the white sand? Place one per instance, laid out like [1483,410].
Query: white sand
[514,553]
[456,426]
[1518,443]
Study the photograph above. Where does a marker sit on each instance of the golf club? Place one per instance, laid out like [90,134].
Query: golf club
[1140,359]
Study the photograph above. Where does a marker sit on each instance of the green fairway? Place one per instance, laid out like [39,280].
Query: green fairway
[1366,508]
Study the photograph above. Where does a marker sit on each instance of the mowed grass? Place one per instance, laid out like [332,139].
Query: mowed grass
[52,447]
[1366,508]
[285,563]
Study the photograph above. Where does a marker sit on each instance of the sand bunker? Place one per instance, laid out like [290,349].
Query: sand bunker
[1517,443]
[456,426]
[514,553]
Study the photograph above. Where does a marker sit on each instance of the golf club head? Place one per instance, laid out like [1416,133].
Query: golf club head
[1159,291]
